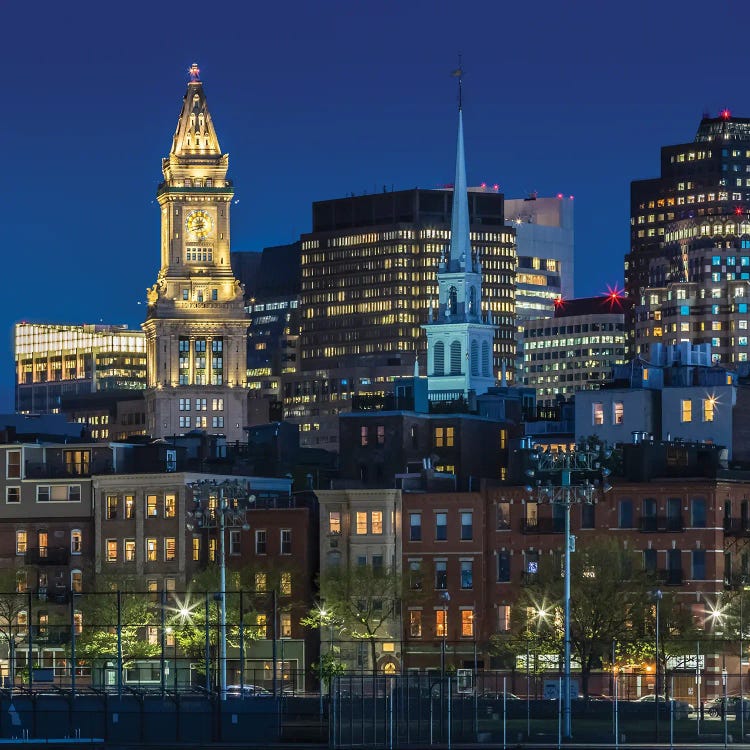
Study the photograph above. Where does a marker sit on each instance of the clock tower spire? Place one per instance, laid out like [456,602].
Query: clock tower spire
[196,327]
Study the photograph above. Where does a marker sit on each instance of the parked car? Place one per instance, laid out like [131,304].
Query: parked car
[247,691]
[716,706]
[682,709]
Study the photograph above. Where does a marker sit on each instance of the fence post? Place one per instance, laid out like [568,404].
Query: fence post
[449,713]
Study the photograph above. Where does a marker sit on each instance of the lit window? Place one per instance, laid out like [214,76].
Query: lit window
[21,542]
[196,549]
[709,406]
[151,511]
[467,623]
[617,412]
[76,581]
[334,522]
[170,506]
[112,503]
[376,519]
[361,527]
[597,413]
[261,626]
[286,625]
[286,584]
[151,549]
[170,549]
[260,582]
[111,550]
[129,506]
[686,410]
[130,550]
[415,623]
[503,618]
[363,435]
[76,542]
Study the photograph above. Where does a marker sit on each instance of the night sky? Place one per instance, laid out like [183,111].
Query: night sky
[316,100]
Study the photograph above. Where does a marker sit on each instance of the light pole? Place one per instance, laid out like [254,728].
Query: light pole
[446,597]
[657,595]
[578,475]
[220,505]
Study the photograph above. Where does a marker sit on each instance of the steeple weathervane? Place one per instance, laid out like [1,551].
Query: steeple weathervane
[460,251]
[459,73]
[195,72]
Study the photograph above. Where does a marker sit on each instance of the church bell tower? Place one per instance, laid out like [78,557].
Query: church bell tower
[196,327]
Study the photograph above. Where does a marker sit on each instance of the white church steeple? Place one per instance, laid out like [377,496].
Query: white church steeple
[459,338]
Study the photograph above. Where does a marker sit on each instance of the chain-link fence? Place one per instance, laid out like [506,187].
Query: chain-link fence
[506,709]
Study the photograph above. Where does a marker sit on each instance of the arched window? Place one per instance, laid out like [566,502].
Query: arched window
[486,359]
[455,358]
[438,359]
[474,358]
[473,301]
[453,300]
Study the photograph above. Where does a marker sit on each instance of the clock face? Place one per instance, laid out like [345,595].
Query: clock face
[198,223]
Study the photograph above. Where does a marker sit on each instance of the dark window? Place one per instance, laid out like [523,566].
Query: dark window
[649,560]
[467,527]
[626,514]
[415,527]
[441,574]
[467,571]
[698,513]
[699,564]
[441,527]
[588,516]
[503,566]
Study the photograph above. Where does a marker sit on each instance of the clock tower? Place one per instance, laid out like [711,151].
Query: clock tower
[196,328]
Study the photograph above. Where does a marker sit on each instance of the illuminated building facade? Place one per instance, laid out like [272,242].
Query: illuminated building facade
[55,361]
[544,243]
[699,203]
[368,275]
[196,328]
[711,308]
[577,349]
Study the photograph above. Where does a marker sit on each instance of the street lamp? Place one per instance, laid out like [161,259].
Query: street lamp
[220,505]
[578,475]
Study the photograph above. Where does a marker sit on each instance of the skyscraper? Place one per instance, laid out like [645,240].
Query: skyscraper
[699,203]
[196,328]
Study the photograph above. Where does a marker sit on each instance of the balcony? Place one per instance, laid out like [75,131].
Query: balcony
[738,527]
[671,577]
[655,524]
[543,526]
[47,556]
[55,470]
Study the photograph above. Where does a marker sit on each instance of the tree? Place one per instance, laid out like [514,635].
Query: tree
[609,600]
[137,612]
[12,629]
[361,600]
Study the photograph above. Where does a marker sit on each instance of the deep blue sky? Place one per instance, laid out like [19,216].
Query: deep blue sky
[315,100]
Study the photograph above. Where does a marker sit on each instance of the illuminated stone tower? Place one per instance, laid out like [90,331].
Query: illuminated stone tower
[196,325]
[459,335]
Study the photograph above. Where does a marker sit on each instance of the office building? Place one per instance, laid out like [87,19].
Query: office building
[544,244]
[577,349]
[55,361]
[699,202]
[196,327]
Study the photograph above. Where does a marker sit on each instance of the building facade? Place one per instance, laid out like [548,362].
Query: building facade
[196,328]
[55,361]
[700,200]
[576,350]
